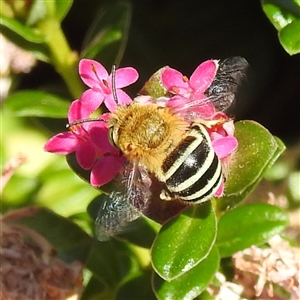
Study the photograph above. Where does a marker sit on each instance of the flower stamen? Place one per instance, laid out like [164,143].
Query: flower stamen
[184,78]
[175,89]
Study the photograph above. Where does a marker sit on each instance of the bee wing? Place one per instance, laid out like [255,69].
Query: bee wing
[114,216]
[124,204]
[138,186]
[225,85]
[221,93]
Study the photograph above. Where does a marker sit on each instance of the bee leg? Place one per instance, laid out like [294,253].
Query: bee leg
[165,195]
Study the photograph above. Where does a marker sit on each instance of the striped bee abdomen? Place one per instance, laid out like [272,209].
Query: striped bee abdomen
[193,171]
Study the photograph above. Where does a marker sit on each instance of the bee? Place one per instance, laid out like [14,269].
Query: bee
[159,143]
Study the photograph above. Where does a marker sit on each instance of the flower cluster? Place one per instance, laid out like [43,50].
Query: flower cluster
[185,97]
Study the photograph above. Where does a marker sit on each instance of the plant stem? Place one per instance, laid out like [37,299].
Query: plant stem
[64,60]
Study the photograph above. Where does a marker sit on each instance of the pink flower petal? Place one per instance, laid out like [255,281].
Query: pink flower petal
[178,102]
[224,146]
[123,98]
[220,191]
[125,77]
[229,127]
[86,155]
[77,111]
[105,170]
[203,76]
[110,102]
[172,78]
[87,68]
[99,136]
[145,99]
[92,99]
[63,143]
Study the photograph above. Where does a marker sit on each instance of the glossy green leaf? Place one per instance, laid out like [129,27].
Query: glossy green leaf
[37,104]
[184,241]
[205,295]
[68,239]
[280,13]
[192,283]
[289,37]
[249,225]
[27,33]
[257,151]
[107,37]
[285,16]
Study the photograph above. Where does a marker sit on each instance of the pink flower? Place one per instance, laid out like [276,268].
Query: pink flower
[223,142]
[189,99]
[89,140]
[76,139]
[94,75]
[103,159]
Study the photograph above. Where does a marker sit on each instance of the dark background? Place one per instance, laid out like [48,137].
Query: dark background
[182,34]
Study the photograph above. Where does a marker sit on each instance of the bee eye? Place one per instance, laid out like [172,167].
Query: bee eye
[111,137]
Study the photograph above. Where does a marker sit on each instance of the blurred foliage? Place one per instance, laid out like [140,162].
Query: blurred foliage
[180,258]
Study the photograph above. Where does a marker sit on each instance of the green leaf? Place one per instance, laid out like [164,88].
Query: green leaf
[289,37]
[192,283]
[110,262]
[108,34]
[184,241]
[285,16]
[249,225]
[132,289]
[37,104]
[62,8]
[95,289]
[280,13]
[68,239]
[21,30]
[70,198]
[257,151]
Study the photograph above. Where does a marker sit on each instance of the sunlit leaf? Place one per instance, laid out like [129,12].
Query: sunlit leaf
[184,241]
[192,283]
[37,104]
[285,16]
[248,225]
[289,37]
[257,151]
[280,13]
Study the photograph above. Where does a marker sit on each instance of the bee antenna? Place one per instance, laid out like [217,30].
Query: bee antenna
[81,121]
[113,82]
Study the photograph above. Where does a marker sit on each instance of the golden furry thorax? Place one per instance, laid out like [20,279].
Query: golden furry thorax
[146,133]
